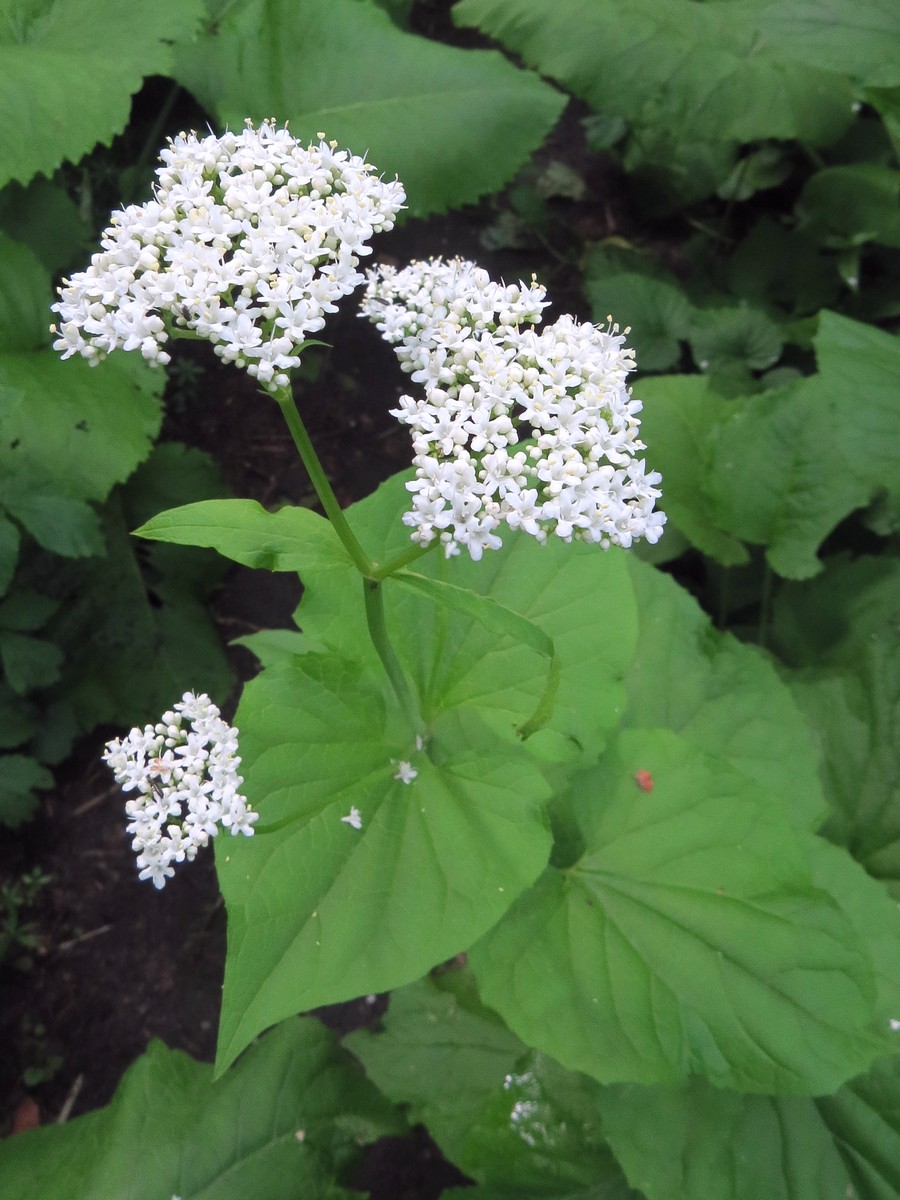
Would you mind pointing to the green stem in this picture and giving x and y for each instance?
(319, 480)
(372, 574)
(373, 595)
(393, 565)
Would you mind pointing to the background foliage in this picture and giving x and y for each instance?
(757, 674)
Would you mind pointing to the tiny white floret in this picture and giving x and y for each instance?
(353, 818)
(405, 772)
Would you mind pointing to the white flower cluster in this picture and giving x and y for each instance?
(249, 240)
(532, 428)
(185, 771)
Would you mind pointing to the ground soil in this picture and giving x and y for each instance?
(117, 962)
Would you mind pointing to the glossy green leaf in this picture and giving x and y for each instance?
(452, 124)
(319, 911)
(692, 937)
(99, 50)
(284, 1124)
(677, 422)
(711, 71)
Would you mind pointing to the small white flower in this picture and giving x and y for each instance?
(185, 772)
(405, 772)
(250, 240)
(895, 1025)
(494, 381)
(353, 818)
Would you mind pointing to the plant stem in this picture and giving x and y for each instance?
(319, 480)
(371, 573)
(373, 595)
(393, 565)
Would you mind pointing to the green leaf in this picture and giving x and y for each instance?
(495, 618)
(854, 37)
(773, 265)
(291, 539)
(135, 640)
(695, 1141)
(780, 476)
(24, 286)
(832, 619)
(791, 463)
(58, 523)
(319, 911)
(45, 218)
(856, 717)
(692, 937)
(677, 422)
(284, 1123)
(9, 552)
(512, 1119)
(847, 206)
(578, 596)
(17, 719)
(765, 167)
(19, 776)
(67, 435)
(99, 50)
(452, 124)
(26, 610)
(722, 338)
(711, 71)
(721, 695)
(28, 662)
(658, 312)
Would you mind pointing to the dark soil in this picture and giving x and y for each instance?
(117, 962)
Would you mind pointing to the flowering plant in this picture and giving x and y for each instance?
(525, 748)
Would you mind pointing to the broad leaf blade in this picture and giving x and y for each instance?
(721, 695)
(689, 939)
(708, 70)
(281, 1124)
(512, 1119)
(99, 50)
(452, 124)
(318, 910)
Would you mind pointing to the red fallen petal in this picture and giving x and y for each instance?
(644, 780)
